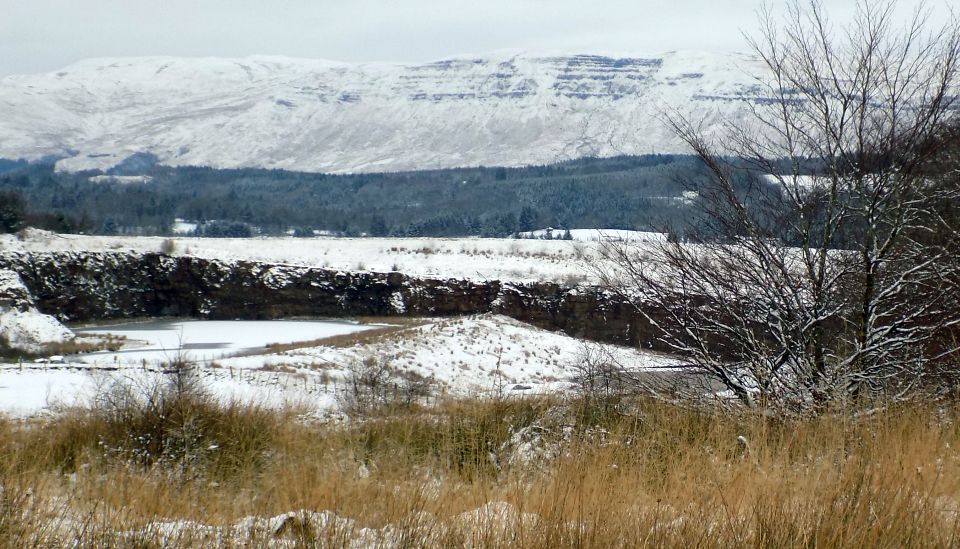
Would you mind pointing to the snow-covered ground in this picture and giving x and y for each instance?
(21, 325)
(474, 258)
(460, 356)
(31, 330)
(503, 108)
(477, 355)
(594, 235)
(158, 342)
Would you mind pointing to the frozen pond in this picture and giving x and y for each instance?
(161, 341)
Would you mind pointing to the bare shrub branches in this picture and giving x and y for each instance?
(822, 267)
(373, 384)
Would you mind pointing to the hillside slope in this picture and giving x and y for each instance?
(505, 109)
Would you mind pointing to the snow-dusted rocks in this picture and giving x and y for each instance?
(21, 325)
(13, 294)
(503, 109)
(487, 354)
(32, 331)
(80, 286)
(495, 518)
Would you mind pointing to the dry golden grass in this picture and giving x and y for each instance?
(86, 344)
(654, 475)
(75, 346)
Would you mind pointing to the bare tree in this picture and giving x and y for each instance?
(821, 267)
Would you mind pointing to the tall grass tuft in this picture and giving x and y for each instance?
(166, 422)
(135, 470)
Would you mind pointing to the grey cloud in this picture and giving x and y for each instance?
(40, 35)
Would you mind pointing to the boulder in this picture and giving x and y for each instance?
(22, 327)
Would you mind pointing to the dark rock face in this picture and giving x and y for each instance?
(13, 294)
(83, 286)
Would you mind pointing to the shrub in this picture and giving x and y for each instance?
(167, 421)
(225, 229)
(372, 385)
(168, 246)
(12, 212)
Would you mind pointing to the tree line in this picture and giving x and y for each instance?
(642, 193)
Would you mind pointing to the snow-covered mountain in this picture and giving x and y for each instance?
(504, 109)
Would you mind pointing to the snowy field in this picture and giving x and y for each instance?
(470, 356)
(462, 356)
(161, 341)
(473, 258)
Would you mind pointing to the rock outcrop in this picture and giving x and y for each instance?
(83, 286)
(501, 109)
(22, 326)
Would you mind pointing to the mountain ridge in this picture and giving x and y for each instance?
(500, 109)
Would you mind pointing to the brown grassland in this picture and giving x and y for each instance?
(168, 466)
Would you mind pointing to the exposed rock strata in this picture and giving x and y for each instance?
(84, 286)
(22, 327)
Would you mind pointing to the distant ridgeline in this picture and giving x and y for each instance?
(641, 193)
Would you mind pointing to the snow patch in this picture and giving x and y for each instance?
(21, 325)
(396, 301)
(182, 226)
(31, 331)
(122, 179)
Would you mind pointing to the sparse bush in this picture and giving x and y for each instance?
(87, 344)
(168, 246)
(601, 384)
(372, 385)
(6, 350)
(303, 232)
(167, 422)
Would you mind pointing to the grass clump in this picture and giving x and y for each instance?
(500, 472)
(168, 246)
(164, 422)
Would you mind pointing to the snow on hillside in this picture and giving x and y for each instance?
(471, 258)
(21, 325)
(478, 355)
(502, 109)
(463, 356)
(594, 235)
(122, 179)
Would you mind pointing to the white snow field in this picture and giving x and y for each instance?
(516, 260)
(163, 341)
(470, 356)
(456, 356)
(503, 108)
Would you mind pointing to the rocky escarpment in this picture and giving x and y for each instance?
(501, 109)
(84, 286)
(22, 327)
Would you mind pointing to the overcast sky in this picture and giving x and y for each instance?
(43, 35)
